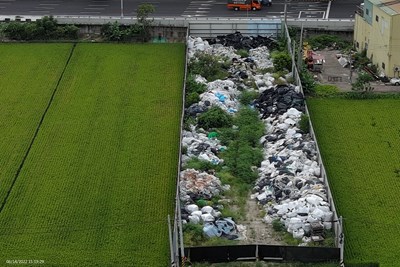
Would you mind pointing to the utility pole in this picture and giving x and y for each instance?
(293, 60)
(299, 62)
(122, 9)
(285, 14)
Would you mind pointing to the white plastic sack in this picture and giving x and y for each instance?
(207, 217)
(192, 207)
(207, 209)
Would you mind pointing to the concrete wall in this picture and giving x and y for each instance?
(380, 35)
(394, 46)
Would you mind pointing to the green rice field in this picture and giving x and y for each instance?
(360, 146)
(99, 180)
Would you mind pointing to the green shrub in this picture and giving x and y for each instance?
(304, 123)
(187, 121)
(242, 53)
(200, 165)
(327, 40)
(326, 90)
(247, 97)
(42, 29)
(282, 60)
(193, 234)
(250, 126)
(191, 99)
(214, 118)
(239, 157)
(278, 226)
(194, 87)
(208, 66)
(201, 203)
(307, 81)
(226, 135)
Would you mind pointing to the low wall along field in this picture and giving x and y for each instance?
(360, 146)
(99, 178)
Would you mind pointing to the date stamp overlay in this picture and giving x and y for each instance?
(21, 261)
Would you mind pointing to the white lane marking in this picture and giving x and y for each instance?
(99, 5)
(94, 8)
(328, 9)
(89, 12)
(44, 7)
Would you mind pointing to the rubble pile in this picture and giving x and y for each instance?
(221, 93)
(238, 41)
(289, 186)
(197, 44)
(195, 185)
(202, 146)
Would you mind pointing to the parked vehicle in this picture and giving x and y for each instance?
(244, 4)
(266, 2)
(395, 81)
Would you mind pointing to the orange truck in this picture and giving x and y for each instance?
(244, 4)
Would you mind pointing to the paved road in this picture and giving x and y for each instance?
(179, 8)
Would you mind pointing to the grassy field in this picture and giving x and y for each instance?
(28, 76)
(360, 143)
(99, 181)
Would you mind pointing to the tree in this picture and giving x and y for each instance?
(143, 12)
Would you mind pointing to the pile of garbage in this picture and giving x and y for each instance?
(238, 41)
(213, 224)
(290, 187)
(279, 99)
(202, 146)
(197, 44)
(221, 93)
(195, 185)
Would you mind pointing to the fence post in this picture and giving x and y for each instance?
(170, 241)
(341, 242)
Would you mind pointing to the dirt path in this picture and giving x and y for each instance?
(258, 232)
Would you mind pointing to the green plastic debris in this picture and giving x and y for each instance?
(212, 135)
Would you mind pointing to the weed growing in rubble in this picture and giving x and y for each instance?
(193, 234)
(208, 66)
(304, 123)
(245, 152)
(247, 97)
(242, 53)
(214, 118)
(282, 60)
(202, 165)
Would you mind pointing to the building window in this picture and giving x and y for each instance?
(367, 12)
(377, 18)
(383, 65)
(357, 44)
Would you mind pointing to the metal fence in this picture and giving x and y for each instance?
(215, 254)
(176, 234)
(337, 221)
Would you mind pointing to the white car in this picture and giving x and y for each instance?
(395, 81)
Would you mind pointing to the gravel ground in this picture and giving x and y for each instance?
(333, 73)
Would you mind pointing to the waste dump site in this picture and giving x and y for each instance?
(285, 182)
